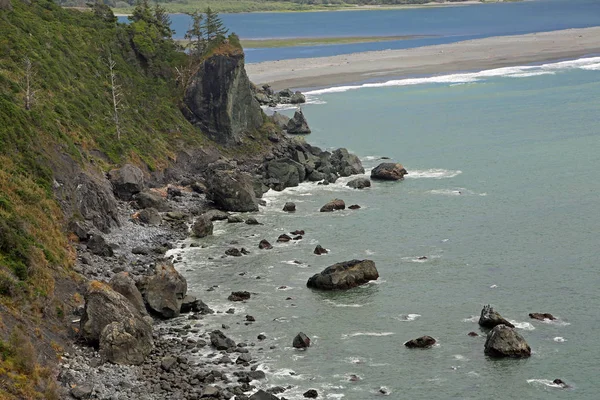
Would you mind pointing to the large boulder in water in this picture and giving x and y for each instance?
(344, 275)
(423, 342)
(388, 172)
(232, 190)
(219, 97)
(203, 226)
(126, 181)
(301, 341)
(103, 307)
(284, 173)
(164, 291)
(298, 124)
(490, 318)
(333, 205)
(346, 164)
(359, 183)
(504, 341)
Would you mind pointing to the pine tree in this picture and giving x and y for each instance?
(163, 21)
(196, 33)
(142, 12)
(213, 25)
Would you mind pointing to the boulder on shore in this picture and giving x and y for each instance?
(123, 283)
(388, 172)
(344, 275)
(301, 341)
(420, 343)
(504, 341)
(164, 291)
(126, 181)
(103, 307)
(203, 226)
(490, 318)
(220, 341)
(335, 204)
(232, 190)
(298, 124)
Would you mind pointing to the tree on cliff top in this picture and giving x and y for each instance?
(213, 25)
(196, 33)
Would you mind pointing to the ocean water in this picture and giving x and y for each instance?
(502, 198)
(440, 25)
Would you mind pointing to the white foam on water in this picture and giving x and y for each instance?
(334, 395)
(407, 317)
(460, 357)
(369, 252)
(590, 63)
(522, 325)
(333, 303)
(385, 391)
(376, 334)
(544, 382)
(560, 339)
(433, 173)
(493, 286)
(556, 322)
(473, 318)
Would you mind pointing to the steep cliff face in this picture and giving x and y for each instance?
(219, 98)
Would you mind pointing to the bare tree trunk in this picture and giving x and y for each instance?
(116, 94)
(29, 74)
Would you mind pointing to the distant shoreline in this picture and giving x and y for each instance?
(470, 55)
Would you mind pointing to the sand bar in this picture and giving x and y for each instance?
(471, 55)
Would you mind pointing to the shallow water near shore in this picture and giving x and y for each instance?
(502, 199)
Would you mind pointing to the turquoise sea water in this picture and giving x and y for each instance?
(502, 198)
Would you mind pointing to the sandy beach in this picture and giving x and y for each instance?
(471, 55)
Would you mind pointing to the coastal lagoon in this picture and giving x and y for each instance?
(501, 198)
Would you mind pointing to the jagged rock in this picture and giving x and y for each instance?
(264, 244)
(150, 216)
(320, 250)
(123, 283)
(283, 238)
(301, 341)
(346, 164)
(203, 226)
(148, 199)
(298, 124)
(542, 316)
(219, 99)
(164, 291)
(354, 207)
(311, 394)
(344, 275)
(98, 246)
(333, 205)
(285, 93)
(388, 172)
(103, 307)
(284, 173)
(232, 190)
(422, 342)
(220, 341)
(490, 318)
(191, 304)
(252, 221)
(297, 98)
(289, 207)
(233, 252)
(262, 395)
(239, 296)
(504, 341)
(126, 181)
(280, 120)
(235, 219)
(80, 230)
(359, 183)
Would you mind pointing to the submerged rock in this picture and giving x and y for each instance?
(344, 275)
(421, 343)
(301, 341)
(490, 318)
(504, 341)
(202, 226)
(239, 296)
(359, 183)
(283, 238)
(388, 172)
(333, 205)
(541, 317)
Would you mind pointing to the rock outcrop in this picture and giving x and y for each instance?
(203, 226)
(126, 181)
(420, 343)
(359, 183)
(504, 341)
(344, 275)
(334, 205)
(346, 164)
(219, 98)
(298, 124)
(232, 190)
(113, 324)
(490, 318)
(280, 120)
(542, 316)
(301, 341)
(164, 291)
(388, 172)
(123, 283)
(283, 173)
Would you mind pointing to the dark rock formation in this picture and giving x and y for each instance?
(473, 334)
(504, 341)
(284, 173)
(344, 275)
(283, 238)
(301, 341)
(203, 226)
(320, 250)
(232, 190)
(220, 101)
(192, 304)
(311, 394)
(97, 245)
(123, 283)
(388, 172)
(220, 341)
(541, 317)
(233, 252)
(239, 296)
(346, 164)
(164, 291)
(234, 219)
(252, 221)
(150, 199)
(333, 205)
(113, 324)
(126, 181)
(354, 207)
(490, 318)
(150, 216)
(216, 215)
(289, 207)
(298, 124)
(420, 343)
(264, 244)
(280, 120)
(262, 395)
(359, 183)
(560, 383)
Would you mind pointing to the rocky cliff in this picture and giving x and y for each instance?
(219, 97)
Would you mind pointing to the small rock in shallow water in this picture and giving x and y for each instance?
(542, 316)
(265, 245)
(423, 342)
(473, 334)
(289, 207)
(301, 341)
(311, 394)
(319, 250)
